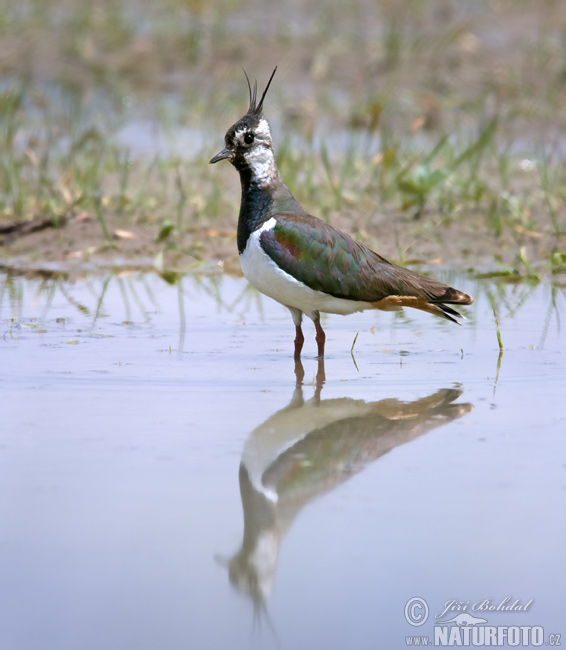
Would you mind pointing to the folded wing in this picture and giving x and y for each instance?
(328, 260)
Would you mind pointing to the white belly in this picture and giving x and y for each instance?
(262, 273)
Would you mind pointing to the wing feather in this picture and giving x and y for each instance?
(328, 260)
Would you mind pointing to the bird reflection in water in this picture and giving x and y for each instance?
(307, 449)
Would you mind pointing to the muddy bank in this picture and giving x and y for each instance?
(80, 245)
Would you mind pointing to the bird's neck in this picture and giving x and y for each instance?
(263, 194)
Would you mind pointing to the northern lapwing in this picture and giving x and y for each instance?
(303, 262)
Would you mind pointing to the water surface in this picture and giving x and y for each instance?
(166, 482)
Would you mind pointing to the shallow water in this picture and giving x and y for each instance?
(164, 482)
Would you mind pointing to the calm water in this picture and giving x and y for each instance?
(165, 483)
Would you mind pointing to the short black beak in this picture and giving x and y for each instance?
(225, 154)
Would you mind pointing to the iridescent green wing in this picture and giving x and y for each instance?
(328, 260)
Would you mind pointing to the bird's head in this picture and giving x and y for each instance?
(248, 141)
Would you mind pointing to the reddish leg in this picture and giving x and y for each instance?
(320, 339)
(299, 340)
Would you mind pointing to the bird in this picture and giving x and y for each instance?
(303, 262)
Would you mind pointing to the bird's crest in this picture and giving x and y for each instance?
(255, 108)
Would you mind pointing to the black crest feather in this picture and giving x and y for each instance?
(255, 108)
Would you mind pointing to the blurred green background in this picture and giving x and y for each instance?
(427, 128)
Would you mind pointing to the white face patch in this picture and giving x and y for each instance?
(263, 130)
(259, 156)
(262, 163)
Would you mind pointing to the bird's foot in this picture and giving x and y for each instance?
(320, 374)
(299, 341)
(320, 339)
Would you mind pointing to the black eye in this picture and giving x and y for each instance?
(249, 138)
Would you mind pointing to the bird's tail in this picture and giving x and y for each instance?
(452, 297)
(433, 304)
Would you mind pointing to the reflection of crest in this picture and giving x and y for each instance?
(307, 449)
